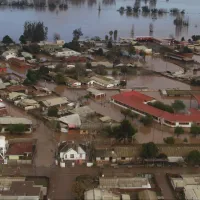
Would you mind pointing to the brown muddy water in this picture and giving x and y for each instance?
(103, 107)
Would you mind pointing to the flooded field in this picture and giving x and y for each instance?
(95, 23)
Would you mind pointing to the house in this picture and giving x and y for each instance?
(71, 121)
(9, 54)
(119, 154)
(6, 122)
(144, 49)
(147, 195)
(26, 188)
(27, 104)
(60, 42)
(49, 47)
(96, 93)
(54, 102)
(124, 183)
(103, 194)
(72, 152)
(19, 63)
(27, 55)
(189, 184)
(13, 96)
(83, 111)
(3, 110)
(3, 67)
(19, 151)
(102, 81)
(75, 59)
(17, 88)
(72, 82)
(67, 53)
(139, 103)
(105, 64)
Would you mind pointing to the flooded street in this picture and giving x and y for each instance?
(45, 140)
(95, 23)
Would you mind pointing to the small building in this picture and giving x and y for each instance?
(17, 88)
(3, 110)
(147, 195)
(105, 156)
(72, 152)
(29, 188)
(21, 152)
(105, 64)
(71, 121)
(96, 93)
(144, 49)
(27, 104)
(67, 53)
(55, 102)
(102, 81)
(16, 62)
(13, 96)
(9, 54)
(6, 122)
(72, 82)
(27, 55)
(60, 42)
(83, 111)
(101, 194)
(124, 183)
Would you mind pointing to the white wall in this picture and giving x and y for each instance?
(76, 156)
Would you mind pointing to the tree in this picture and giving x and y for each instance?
(125, 131)
(178, 105)
(126, 112)
(77, 33)
(78, 190)
(109, 45)
(99, 52)
(32, 48)
(182, 39)
(195, 130)
(194, 157)
(147, 120)
(115, 34)
(162, 156)
(169, 140)
(106, 38)
(32, 77)
(17, 128)
(52, 112)
(56, 37)
(22, 39)
(131, 50)
(110, 33)
(7, 40)
(178, 131)
(60, 78)
(114, 72)
(149, 150)
(35, 31)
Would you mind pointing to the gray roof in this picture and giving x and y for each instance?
(83, 111)
(64, 146)
(55, 101)
(14, 120)
(105, 153)
(73, 119)
(95, 91)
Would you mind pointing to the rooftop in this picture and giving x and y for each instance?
(20, 148)
(95, 91)
(16, 88)
(14, 120)
(55, 101)
(139, 101)
(83, 111)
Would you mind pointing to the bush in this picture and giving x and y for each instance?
(162, 106)
(147, 120)
(169, 140)
(53, 112)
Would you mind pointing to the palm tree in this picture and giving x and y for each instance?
(111, 33)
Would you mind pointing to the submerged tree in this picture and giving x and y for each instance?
(7, 40)
(35, 31)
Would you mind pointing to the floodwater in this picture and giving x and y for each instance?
(145, 134)
(84, 14)
(45, 137)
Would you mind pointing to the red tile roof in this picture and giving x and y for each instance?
(20, 148)
(16, 88)
(137, 101)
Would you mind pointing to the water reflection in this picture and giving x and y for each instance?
(108, 2)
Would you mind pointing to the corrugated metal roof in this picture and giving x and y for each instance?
(14, 120)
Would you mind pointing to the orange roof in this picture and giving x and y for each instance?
(137, 101)
(20, 148)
